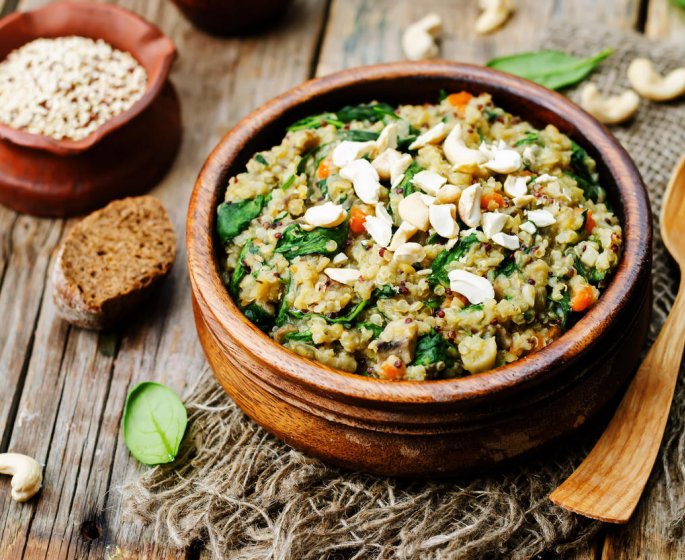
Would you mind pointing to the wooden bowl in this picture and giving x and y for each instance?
(233, 17)
(431, 427)
(127, 154)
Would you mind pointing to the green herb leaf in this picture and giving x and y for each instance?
(154, 423)
(347, 318)
(384, 292)
(562, 308)
(442, 95)
(583, 176)
(282, 314)
(473, 307)
(239, 271)
(552, 69)
(407, 183)
(430, 349)
(371, 112)
(296, 242)
(679, 3)
(433, 303)
(235, 217)
(259, 316)
(444, 258)
(375, 329)
(315, 121)
(530, 138)
(358, 135)
(298, 336)
(288, 183)
(507, 267)
(261, 159)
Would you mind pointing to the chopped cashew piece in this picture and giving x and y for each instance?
(495, 13)
(387, 138)
(418, 40)
(431, 136)
(516, 186)
(427, 199)
(398, 168)
(475, 288)
(403, 234)
(409, 253)
(26, 474)
(652, 85)
(529, 227)
(382, 213)
(347, 276)
(478, 354)
(503, 160)
(379, 230)
(326, 215)
(528, 293)
(493, 222)
(541, 218)
(364, 179)
(442, 218)
(448, 194)
(415, 211)
(340, 258)
(510, 242)
(609, 110)
(525, 200)
(461, 157)
(469, 205)
(544, 178)
(429, 181)
(346, 152)
(384, 162)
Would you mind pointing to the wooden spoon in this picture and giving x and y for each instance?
(609, 482)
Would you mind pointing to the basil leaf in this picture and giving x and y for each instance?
(430, 349)
(358, 135)
(305, 336)
(154, 423)
(407, 183)
(297, 242)
(445, 257)
(552, 69)
(235, 217)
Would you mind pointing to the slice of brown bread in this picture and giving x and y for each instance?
(110, 260)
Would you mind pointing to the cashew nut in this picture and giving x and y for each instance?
(418, 40)
(651, 85)
(610, 110)
(493, 16)
(347, 276)
(462, 158)
(26, 475)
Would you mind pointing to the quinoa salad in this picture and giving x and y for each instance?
(417, 242)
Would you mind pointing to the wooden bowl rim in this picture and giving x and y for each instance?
(137, 36)
(220, 313)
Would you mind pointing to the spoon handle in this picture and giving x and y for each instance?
(609, 482)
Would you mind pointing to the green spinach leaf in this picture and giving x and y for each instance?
(316, 121)
(261, 159)
(358, 135)
(384, 292)
(507, 267)
(154, 423)
(530, 138)
(430, 349)
(371, 112)
(552, 69)
(239, 271)
(447, 256)
(235, 217)
(582, 174)
(296, 242)
(562, 308)
(375, 329)
(407, 183)
(346, 318)
(259, 316)
(305, 336)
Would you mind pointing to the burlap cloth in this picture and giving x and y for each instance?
(249, 496)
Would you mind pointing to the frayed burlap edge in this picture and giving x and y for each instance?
(246, 495)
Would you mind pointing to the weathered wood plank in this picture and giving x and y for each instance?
(369, 31)
(70, 411)
(664, 20)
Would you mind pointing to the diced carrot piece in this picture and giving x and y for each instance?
(539, 342)
(459, 100)
(589, 222)
(582, 298)
(324, 169)
(462, 299)
(392, 372)
(491, 201)
(357, 219)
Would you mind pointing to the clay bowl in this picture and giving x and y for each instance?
(126, 155)
(233, 17)
(434, 427)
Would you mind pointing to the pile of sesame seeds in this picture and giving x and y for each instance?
(67, 87)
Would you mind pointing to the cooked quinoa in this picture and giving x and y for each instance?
(418, 242)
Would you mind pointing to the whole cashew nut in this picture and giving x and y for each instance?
(652, 85)
(418, 40)
(25, 472)
(610, 110)
(493, 16)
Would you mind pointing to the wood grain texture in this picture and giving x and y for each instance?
(70, 410)
(665, 20)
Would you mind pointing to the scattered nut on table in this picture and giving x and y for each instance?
(419, 39)
(495, 13)
(26, 474)
(652, 85)
(610, 110)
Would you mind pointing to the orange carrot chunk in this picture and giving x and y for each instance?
(582, 298)
(589, 222)
(459, 100)
(491, 201)
(392, 371)
(324, 169)
(357, 219)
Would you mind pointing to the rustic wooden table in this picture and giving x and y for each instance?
(63, 389)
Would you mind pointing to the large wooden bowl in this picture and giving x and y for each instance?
(430, 427)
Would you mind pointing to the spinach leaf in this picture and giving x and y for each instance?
(358, 135)
(316, 121)
(323, 187)
(492, 114)
(259, 316)
(347, 318)
(679, 3)
(442, 94)
(304, 158)
(288, 183)
(239, 271)
(447, 256)
(375, 329)
(430, 349)
(407, 183)
(593, 276)
(562, 308)
(552, 69)
(305, 336)
(235, 217)
(261, 159)
(384, 292)
(433, 303)
(282, 314)
(404, 142)
(154, 423)
(507, 267)
(473, 307)
(582, 174)
(371, 112)
(530, 138)
(296, 242)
